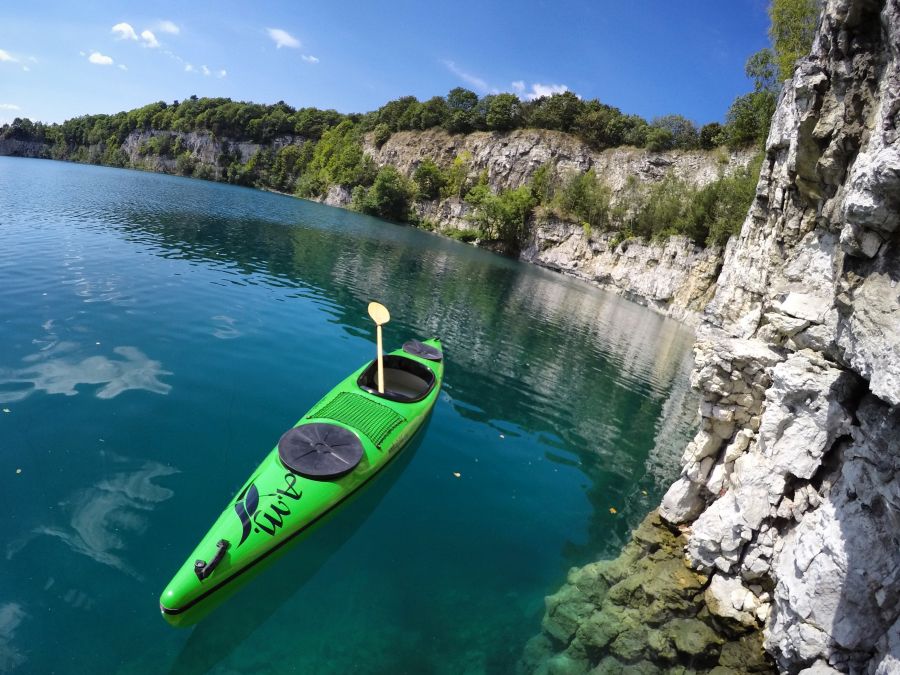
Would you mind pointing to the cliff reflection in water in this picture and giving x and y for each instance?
(528, 349)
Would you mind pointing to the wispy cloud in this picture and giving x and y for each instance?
(122, 66)
(149, 39)
(518, 86)
(100, 59)
(206, 71)
(283, 39)
(9, 106)
(124, 31)
(188, 68)
(6, 56)
(473, 81)
(221, 73)
(170, 27)
(309, 58)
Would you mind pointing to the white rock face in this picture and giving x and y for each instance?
(793, 481)
(675, 277)
(511, 159)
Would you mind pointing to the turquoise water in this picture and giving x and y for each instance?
(159, 334)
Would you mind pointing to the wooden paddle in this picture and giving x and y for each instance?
(380, 315)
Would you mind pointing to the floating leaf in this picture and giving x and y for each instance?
(612, 510)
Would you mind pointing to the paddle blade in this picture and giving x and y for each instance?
(379, 313)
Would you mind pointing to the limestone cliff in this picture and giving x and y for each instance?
(674, 277)
(789, 497)
(793, 480)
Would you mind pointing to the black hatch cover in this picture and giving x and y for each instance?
(319, 450)
(422, 350)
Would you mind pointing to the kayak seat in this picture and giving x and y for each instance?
(405, 380)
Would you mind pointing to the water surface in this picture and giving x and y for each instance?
(160, 333)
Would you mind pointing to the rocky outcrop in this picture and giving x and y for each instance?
(646, 612)
(203, 147)
(792, 482)
(789, 496)
(511, 158)
(14, 147)
(674, 277)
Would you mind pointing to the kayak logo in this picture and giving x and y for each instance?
(270, 518)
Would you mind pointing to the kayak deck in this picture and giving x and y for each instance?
(281, 500)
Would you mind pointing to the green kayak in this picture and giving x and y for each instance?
(338, 447)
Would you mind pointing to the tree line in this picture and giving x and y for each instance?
(306, 151)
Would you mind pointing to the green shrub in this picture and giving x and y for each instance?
(458, 176)
(466, 234)
(185, 164)
(381, 134)
(503, 217)
(587, 199)
(429, 180)
(388, 197)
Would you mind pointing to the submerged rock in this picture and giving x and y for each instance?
(643, 612)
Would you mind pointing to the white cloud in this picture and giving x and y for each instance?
(100, 59)
(222, 73)
(124, 31)
(149, 39)
(169, 27)
(538, 90)
(473, 81)
(188, 68)
(122, 66)
(309, 58)
(518, 86)
(6, 56)
(9, 106)
(283, 39)
(26, 69)
(205, 70)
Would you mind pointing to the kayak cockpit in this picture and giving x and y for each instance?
(405, 380)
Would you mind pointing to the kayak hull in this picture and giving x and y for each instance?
(276, 506)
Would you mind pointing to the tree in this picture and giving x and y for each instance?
(710, 135)
(381, 134)
(762, 69)
(748, 118)
(659, 139)
(504, 112)
(434, 113)
(792, 31)
(683, 131)
(558, 111)
(388, 197)
(429, 180)
(504, 217)
(463, 99)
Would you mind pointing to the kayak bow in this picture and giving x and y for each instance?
(341, 444)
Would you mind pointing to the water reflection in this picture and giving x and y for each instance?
(101, 517)
(11, 656)
(527, 348)
(56, 370)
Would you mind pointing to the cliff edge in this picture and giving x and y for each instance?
(789, 498)
(792, 482)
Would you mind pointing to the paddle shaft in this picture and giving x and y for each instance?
(380, 361)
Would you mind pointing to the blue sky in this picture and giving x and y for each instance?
(650, 57)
